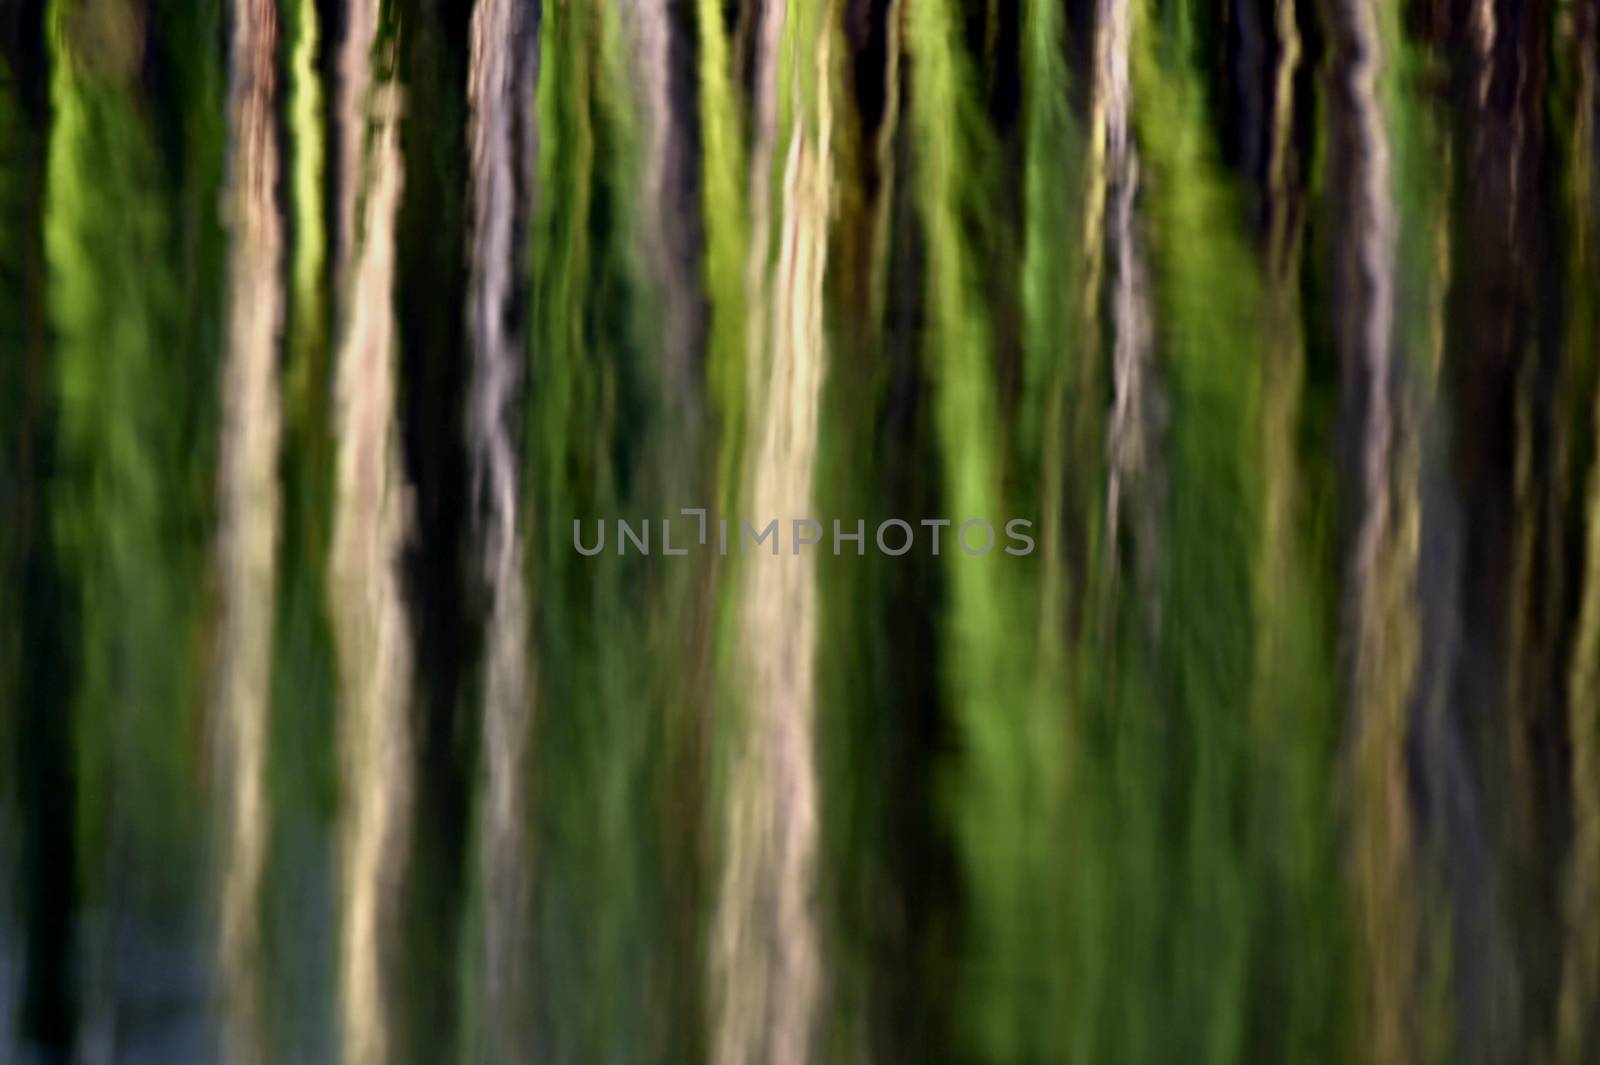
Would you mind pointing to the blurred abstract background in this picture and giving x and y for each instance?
(321, 321)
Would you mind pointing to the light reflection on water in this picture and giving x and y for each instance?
(321, 324)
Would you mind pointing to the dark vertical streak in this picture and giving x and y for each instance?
(38, 656)
(434, 373)
(1503, 707)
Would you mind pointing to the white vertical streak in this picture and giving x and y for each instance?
(1130, 296)
(369, 620)
(766, 956)
(492, 94)
(249, 509)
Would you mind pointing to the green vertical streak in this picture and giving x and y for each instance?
(1579, 1004)
(1297, 1011)
(1208, 299)
(594, 410)
(1052, 188)
(1417, 140)
(306, 176)
(727, 226)
(303, 744)
(37, 809)
(854, 710)
(303, 740)
(563, 404)
(134, 320)
(1057, 360)
(1007, 783)
(726, 216)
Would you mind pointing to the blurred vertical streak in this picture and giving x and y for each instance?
(1129, 450)
(307, 133)
(767, 964)
(1063, 247)
(1381, 574)
(444, 598)
(673, 247)
(1578, 1010)
(758, 257)
(607, 631)
(878, 716)
(1284, 370)
(1374, 253)
(667, 214)
(1436, 617)
(742, 967)
(36, 653)
(503, 48)
(569, 441)
(725, 192)
(1526, 777)
(300, 947)
(1184, 726)
(883, 151)
(250, 511)
(360, 36)
(1293, 711)
(134, 249)
(1073, 412)
(1494, 564)
(1006, 774)
(365, 599)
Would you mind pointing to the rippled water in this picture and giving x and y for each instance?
(332, 331)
